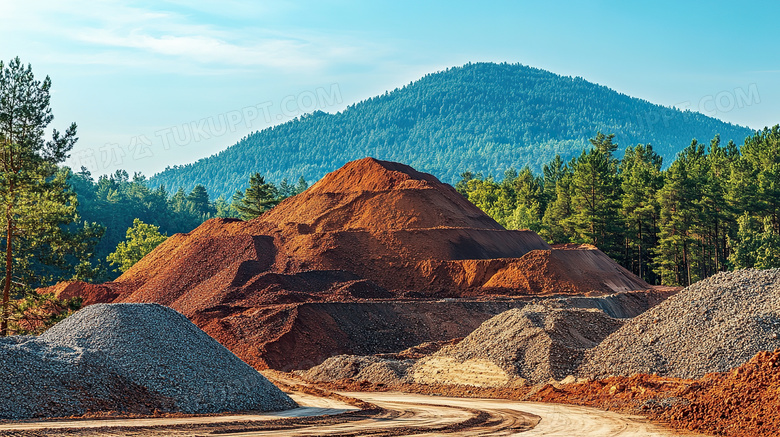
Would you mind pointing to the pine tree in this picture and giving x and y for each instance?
(552, 172)
(744, 246)
(286, 189)
(761, 156)
(301, 186)
(259, 198)
(529, 202)
(640, 173)
(718, 216)
(557, 226)
(34, 195)
(178, 201)
(677, 259)
(595, 193)
(224, 209)
(199, 201)
(768, 253)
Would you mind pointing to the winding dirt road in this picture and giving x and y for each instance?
(551, 419)
(399, 414)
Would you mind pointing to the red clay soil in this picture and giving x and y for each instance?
(744, 402)
(569, 269)
(370, 230)
(379, 221)
(369, 194)
(89, 293)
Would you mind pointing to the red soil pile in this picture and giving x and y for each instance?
(89, 293)
(376, 220)
(569, 269)
(743, 402)
(637, 394)
(183, 261)
(374, 195)
(370, 230)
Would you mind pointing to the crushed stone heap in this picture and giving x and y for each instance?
(713, 325)
(530, 345)
(132, 358)
(376, 370)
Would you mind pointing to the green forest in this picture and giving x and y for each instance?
(484, 117)
(715, 207)
(113, 202)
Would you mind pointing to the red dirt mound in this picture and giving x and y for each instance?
(372, 218)
(744, 402)
(379, 196)
(90, 293)
(567, 269)
(370, 230)
(185, 260)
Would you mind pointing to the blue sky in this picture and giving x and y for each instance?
(161, 83)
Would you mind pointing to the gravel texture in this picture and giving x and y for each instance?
(359, 368)
(712, 326)
(137, 358)
(536, 343)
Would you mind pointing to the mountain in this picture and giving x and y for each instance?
(482, 117)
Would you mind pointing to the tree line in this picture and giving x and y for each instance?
(716, 207)
(131, 214)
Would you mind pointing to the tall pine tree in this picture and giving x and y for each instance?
(259, 198)
(36, 201)
(595, 193)
(640, 173)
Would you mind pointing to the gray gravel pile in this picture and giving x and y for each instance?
(359, 368)
(131, 358)
(536, 343)
(712, 326)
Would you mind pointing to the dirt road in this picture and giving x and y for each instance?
(553, 419)
(400, 414)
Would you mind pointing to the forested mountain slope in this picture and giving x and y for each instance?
(481, 117)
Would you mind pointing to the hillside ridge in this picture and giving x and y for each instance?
(482, 117)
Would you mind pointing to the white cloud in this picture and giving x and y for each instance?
(207, 49)
(111, 33)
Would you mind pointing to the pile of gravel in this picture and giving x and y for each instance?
(359, 368)
(712, 326)
(536, 343)
(137, 358)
